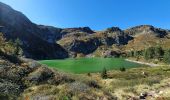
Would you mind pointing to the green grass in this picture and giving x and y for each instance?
(86, 65)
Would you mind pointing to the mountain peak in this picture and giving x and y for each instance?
(146, 29)
(113, 29)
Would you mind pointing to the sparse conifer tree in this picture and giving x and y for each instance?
(104, 73)
(18, 50)
(166, 57)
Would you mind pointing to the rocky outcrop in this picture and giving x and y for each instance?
(114, 35)
(85, 47)
(110, 53)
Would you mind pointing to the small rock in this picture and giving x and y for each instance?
(143, 96)
(161, 92)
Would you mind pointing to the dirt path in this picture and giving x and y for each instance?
(145, 63)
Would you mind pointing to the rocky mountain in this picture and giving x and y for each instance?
(48, 42)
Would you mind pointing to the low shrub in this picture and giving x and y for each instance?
(93, 84)
(122, 69)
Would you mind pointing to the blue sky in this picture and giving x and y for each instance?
(97, 14)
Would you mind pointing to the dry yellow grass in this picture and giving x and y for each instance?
(132, 83)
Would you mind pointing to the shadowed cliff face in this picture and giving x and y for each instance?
(34, 43)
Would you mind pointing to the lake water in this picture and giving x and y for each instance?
(86, 65)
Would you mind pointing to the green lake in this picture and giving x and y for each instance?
(87, 65)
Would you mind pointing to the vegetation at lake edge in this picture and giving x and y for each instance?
(152, 53)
